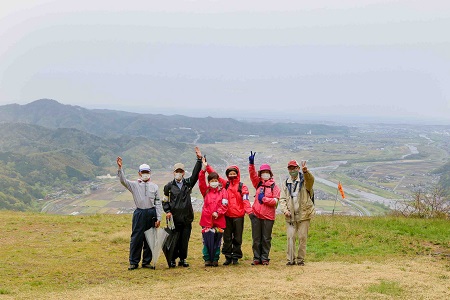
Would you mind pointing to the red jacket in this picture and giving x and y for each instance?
(266, 210)
(237, 205)
(214, 200)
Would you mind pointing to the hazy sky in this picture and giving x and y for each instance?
(382, 59)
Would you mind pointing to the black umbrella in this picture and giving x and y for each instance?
(171, 241)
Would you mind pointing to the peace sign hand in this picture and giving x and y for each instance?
(304, 167)
(119, 162)
(251, 158)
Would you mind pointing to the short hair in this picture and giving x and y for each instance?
(213, 175)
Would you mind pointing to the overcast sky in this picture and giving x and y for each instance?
(316, 59)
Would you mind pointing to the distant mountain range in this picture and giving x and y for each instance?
(109, 123)
(46, 145)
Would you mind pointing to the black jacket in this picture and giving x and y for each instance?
(178, 202)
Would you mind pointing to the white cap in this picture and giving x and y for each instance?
(144, 167)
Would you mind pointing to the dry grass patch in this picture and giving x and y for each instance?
(85, 257)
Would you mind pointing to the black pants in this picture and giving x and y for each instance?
(181, 249)
(143, 219)
(262, 237)
(232, 238)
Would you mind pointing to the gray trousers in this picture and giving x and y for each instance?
(297, 230)
(262, 237)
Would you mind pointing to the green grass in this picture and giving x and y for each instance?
(389, 288)
(43, 253)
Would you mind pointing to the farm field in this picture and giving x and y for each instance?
(378, 168)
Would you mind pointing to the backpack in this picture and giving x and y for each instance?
(239, 188)
(309, 193)
(261, 183)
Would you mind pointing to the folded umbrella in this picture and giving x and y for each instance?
(171, 240)
(155, 239)
(208, 241)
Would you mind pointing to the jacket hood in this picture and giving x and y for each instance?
(232, 168)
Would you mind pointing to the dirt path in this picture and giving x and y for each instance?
(421, 278)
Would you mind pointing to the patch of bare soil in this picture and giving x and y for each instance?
(419, 278)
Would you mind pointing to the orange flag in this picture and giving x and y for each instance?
(341, 190)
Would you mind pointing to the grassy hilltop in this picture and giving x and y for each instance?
(85, 257)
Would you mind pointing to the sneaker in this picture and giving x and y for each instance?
(208, 263)
(301, 263)
(256, 262)
(290, 263)
(265, 262)
(183, 263)
(172, 264)
(148, 267)
(215, 263)
(132, 267)
(227, 262)
(235, 262)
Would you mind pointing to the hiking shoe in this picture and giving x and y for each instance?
(227, 262)
(290, 263)
(183, 263)
(265, 262)
(301, 263)
(148, 267)
(256, 262)
(215, 263)
(235, 262)
(208, 263)
(172, 264)
(132, 267)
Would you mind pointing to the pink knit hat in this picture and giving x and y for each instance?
(265, 167)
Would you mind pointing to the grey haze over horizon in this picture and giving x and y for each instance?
(377, 61)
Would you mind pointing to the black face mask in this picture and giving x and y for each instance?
(232, 178)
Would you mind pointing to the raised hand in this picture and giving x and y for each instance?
(304, 168)
(198, 153)
(205, 164)
(251, 158)
(119, 162)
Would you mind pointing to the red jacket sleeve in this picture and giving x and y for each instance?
(253, 175)
(272, 201)
(247, 205)
(202, 183)
(222, 207)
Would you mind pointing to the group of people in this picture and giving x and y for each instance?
(226, 202)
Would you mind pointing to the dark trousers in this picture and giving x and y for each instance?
(262, 237)
(181, 249)
(143, 219)
(232, 238)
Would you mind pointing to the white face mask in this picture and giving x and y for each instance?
(145, 176)
(178, 176)
(214, 184)
(265, 176)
